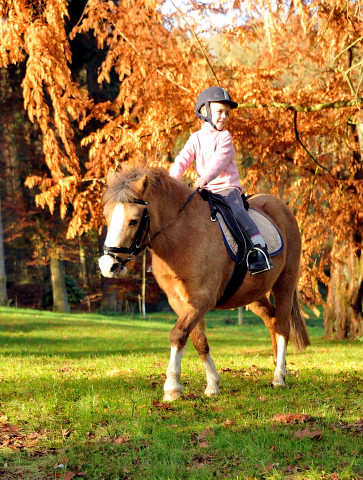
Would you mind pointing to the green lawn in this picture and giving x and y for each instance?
(81, 397)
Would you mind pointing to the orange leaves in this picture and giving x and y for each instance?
(306, 433)
(63, 188)
(12, 437)
(135, 102)
(162, 405)
(291, 419)
(12, 29)
(88, 212)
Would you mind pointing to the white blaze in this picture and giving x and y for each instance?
(106, 262)
(115, 228)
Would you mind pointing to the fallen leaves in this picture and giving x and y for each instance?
(307, 433)
(162, 405)
(202, 460)
(11, 437)
(120, 440)
(292, 419)
(252, 372)
(205, 434)
(356, 427)
(68, 475)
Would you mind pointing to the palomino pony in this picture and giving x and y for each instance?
(146, 207)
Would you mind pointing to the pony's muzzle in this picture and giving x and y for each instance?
(110, 267)
(114, 267)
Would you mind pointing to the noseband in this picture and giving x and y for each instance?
(143, 232)
(138, 243)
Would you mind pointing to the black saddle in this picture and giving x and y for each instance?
(217, 206)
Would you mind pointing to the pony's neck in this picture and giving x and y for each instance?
(168, 219)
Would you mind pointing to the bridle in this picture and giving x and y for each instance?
(142, 237)
(138, 243)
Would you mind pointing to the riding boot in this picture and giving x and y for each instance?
(258, 260)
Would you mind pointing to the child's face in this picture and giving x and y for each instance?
(220, 114)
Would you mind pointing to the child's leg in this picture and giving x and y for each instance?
(234, 200)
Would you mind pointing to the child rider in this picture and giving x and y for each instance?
(212, 150)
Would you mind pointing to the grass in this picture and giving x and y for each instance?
(81, 397)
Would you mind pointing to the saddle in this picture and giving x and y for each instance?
(235, 239)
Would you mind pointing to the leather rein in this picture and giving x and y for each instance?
(142, 237)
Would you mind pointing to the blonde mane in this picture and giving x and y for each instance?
(123, 190)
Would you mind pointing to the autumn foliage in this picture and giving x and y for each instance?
(295, 68)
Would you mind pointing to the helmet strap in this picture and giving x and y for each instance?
(208, 118)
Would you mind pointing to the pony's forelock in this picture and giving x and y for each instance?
(123, 189)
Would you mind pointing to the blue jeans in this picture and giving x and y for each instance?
(234, 200)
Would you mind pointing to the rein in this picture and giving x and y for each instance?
(143, 232)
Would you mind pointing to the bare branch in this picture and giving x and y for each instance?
(307, 108)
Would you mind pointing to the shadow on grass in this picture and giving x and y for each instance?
(90, 336)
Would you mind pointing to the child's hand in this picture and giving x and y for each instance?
(200, 183)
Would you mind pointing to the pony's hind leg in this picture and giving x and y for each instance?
(200, 343)
(264, 309)
(280, 370)
(283, 292)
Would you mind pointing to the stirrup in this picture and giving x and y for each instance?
(261, 264)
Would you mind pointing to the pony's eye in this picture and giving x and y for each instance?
(132, 222)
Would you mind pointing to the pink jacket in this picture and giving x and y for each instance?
(213, 153)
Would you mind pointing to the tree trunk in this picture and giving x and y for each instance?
(83, 277)
(240, 316)
(3, 292)
(143, 285)
(60, 299)
(343, 317)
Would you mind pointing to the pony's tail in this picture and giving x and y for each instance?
(298, 330)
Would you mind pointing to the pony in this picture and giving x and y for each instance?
(146, 207)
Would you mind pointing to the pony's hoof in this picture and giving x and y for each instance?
(278, 383)
(210, 392)
(171, 396)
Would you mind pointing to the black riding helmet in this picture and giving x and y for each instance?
(212, 94)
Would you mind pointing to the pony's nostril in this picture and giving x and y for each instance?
(114, 267)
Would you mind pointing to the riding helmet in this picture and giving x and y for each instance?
(212, 94)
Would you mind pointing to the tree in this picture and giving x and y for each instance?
(297, 75)
(343, 310)
(31, 235)
(3, 292)
(60, 299)
(297, 81)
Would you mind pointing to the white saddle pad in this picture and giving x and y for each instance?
(269, 232)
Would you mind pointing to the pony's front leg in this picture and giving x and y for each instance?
(172, 387)
(280, 370)
(189, 316)
(200, 343)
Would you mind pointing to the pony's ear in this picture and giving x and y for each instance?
(142, 186)
(111, 178)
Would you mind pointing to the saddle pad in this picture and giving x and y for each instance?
(269, 232)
